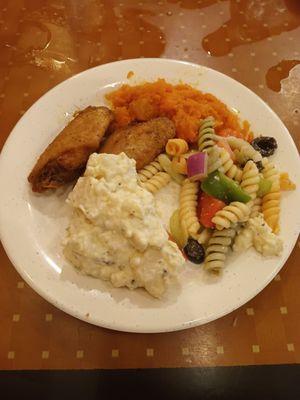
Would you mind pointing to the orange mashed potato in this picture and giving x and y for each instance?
(184, 105)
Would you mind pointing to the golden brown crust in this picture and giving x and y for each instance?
(143, 141)
(64, 158)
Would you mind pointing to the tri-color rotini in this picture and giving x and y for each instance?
(157, 182)
(250, 179)
(229, 215)
(218, 246)
(271, 201)
(204, 236)
(149, 170)
(228, 167)
(207, 137)
(250, 182)
(176, 147)
(188, 206)
(214, 160)
(219, 159)
(179, 165)
(243, 150)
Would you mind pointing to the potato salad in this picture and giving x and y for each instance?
(115, 233)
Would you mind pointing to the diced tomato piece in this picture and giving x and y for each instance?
(207, 208)
(230, 132)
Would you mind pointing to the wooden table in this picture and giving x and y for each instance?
(45, 42)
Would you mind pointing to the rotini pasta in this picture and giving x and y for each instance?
(214, 159)
(149, 170)
(188, 206)
(219, 159)
(166, 164)
(179, 165)
(204, 236)
(217, 249)
(243, 150)
(285, 182)
(176, 147)
(271, 201)
(250, 183)
(231, 214)
(227, 166)
(207, 137)
(157, 182)
(250, 179)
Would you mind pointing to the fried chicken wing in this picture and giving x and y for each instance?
(143, 141)
(65, 158)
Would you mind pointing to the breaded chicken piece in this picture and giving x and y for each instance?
(143, 141)
(65, 158)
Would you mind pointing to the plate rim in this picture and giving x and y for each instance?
(137, 329)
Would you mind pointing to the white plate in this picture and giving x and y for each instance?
(31, 226)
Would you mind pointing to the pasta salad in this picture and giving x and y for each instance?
(230, 193)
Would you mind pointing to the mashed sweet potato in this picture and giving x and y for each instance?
(184, 105)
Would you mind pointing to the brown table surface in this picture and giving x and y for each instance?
(44, 42)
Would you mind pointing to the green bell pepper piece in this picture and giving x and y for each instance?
(223, 188)
(264, 186)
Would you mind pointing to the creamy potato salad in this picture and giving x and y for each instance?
(115, 233)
